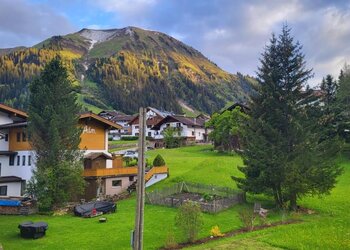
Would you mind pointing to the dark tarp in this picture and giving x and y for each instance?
(33, 230)
(85, 210)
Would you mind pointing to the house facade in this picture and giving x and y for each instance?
(121, 119)
(153, 116)
(192, 129)
(103, 171)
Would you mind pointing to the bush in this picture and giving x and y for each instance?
(247, 217)
(158, 161)
(129, 138)
(215, 232)
(170, 241)
(189, 220)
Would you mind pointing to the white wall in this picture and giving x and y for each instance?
(4, 118)
(23, 171)
(13, 188)
(156, 178)
(4, 145)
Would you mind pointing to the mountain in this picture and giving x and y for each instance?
(124, 69)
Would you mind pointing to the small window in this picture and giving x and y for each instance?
(7, 137)
(23, 160)
(149, 134)
(29, 160)
(18, 137)
(192, 132)
(3, 190)
(117, 183)
(199, 133)
(178, 124)
(18, 160)
(24, 136)
(131, 178)
(12, 160)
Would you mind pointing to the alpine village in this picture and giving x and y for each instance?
(130, 139)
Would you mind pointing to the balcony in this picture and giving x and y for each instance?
(110, 172)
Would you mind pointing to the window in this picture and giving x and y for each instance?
(18, 160)
(117, 183)
(24, 137)
(136, 127)
(131, 178)
(7, 137)
(18, 137)
(12, 160)
(149, 134)
(3, 190)
(29, 160)
(23, 160)
(192, 132)
(178, 125)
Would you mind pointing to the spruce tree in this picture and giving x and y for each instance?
(55, 136)
(343, 104)
(282, 151)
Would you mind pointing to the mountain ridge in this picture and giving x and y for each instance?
(126, 68)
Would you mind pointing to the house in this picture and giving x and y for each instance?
(16, 157)
(153, 116)
(103, 171)
(121, 119)
(191, 129)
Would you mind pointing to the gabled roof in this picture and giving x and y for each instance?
(244, 108)
(93, 156)
(162, 114)
(110, 112)
(100, 119)
(15, 112)
(189, 121)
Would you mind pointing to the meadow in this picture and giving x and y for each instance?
(328, 228)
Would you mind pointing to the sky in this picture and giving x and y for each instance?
(231, 33)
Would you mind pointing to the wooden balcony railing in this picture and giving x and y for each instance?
(110, 171)
(156, 170)
(124, 171)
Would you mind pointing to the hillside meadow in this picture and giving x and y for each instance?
(328, 228)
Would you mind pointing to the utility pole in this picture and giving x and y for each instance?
(140, 190)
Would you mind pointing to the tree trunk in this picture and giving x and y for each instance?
(293, 202)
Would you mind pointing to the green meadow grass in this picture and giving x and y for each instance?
(328, 229)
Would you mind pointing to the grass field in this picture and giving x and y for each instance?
(328, 229)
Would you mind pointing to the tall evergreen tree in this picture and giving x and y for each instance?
(282, 152)
(343, 103)
(55, 136)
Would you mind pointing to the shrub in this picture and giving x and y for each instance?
(158, 161)
(189, 220)
(247, 217)
(215, 232)
(170, 241)
(129, 138)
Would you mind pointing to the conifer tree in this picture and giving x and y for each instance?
(55, 136)
(282, 151)
(343, 103)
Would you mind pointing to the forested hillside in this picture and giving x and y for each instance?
(124, 69)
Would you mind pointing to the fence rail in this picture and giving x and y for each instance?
(224, 197)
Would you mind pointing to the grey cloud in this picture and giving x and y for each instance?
(22, 23)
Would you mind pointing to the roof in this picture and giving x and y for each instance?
(8, 153)
(151, 122)
(189, 121)
(100, 119)
(93, 156)
(14, 125)
(110, 112)
(12, 111)
(244, 108)
(5, 179)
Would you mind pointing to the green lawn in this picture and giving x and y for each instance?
(121, 142)
(327, 229)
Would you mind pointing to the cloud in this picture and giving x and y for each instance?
(22, 23)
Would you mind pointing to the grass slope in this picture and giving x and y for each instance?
(328, 229)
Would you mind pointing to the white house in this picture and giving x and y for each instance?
(189, 128)
(153, 116)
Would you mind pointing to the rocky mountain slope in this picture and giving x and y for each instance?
(124, 69)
